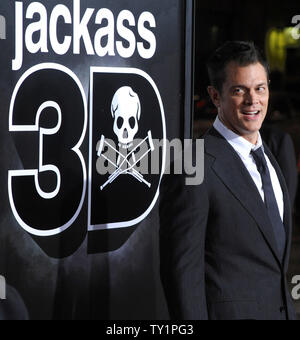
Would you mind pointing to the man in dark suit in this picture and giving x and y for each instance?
(225, 244)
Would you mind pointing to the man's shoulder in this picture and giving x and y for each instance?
(214, 143)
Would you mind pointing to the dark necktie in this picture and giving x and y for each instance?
(270, 200)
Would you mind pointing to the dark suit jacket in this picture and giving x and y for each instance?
(219, 258)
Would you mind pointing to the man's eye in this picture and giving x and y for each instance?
(261, 89)
(238, 91)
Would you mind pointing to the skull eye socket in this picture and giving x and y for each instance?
(132, 122)
(120, 122)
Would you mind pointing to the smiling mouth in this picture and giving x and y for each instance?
(251, 113)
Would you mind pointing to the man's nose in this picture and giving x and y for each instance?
(251, 98)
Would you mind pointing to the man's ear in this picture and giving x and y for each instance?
(214, 95)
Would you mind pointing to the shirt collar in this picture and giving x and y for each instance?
(240, 144)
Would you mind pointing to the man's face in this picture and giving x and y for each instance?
(243, 103)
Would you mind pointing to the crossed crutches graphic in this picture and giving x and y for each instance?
(126, 160)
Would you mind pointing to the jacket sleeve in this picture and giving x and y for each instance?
(183, 218)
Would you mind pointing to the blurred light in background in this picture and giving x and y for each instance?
(277, 42)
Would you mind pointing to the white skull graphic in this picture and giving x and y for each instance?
(126, 111)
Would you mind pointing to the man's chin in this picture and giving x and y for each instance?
(252, 126)
(250, 132)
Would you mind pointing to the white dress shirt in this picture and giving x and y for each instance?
(243, 149)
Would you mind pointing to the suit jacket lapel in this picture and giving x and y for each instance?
(230, 169)
(286, 199)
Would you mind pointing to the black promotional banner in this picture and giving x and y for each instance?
(88, 86)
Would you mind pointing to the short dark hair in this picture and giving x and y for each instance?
(244, 53)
